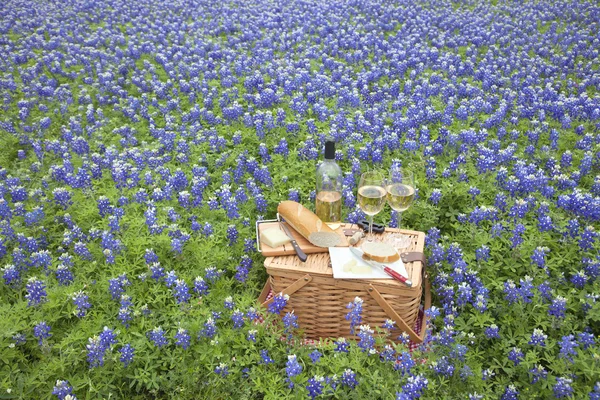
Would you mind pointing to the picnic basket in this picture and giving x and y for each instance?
(320, 301)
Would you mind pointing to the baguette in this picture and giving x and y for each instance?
(307, 224)
(380, 252)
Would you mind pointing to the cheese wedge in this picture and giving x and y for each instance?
(274, 237)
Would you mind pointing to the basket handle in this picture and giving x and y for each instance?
(293, 288)
(397, 318)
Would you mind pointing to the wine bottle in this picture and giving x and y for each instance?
(329, 188)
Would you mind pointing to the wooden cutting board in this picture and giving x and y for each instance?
(287, 249)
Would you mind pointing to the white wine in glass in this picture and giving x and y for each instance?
(371, 196)
(400, 196)
(400, 190)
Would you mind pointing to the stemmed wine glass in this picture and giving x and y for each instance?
(400, 188)
(371, 196)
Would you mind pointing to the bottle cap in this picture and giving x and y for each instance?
(330, 150)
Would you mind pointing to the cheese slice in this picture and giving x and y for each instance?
(361, 269)
(349, 265)
(274, 237)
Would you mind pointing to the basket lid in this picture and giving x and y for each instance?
(319, 264)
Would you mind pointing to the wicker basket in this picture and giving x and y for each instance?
(320, 301)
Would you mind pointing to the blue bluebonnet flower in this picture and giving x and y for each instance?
(62, 389)
(127, 354)
(482, 253)
(510, 393)
(265, 358)
(290, 321)
(212, 274)
(525, 289)
(487, 374)
(538, 372)
(11, 275)
(222, 370)
(252, 335)
(443, 366)
(181, 291)
(511, 292)
(125, 316)
(562, 388)
(81, 301)
(157, 336)
(42, 331)
(545, 290)
(387, 354)
(558, 307)
(315, 386)
(171, 279)
(116, 286)
(292, 368)
(182, 338)
(579, 279)
(367, 342)
(232, 234)
(567, 347)
(539, 256)
(315, 356)
(436, 196)
(157, 271)
(413, 388)
(278, 304)
(586, 339)
(209, 330)
(95, 355)
(238, 319)
(404, 363)
(354, 315)
(389, 324)
(36, 292)
(587, 238)
(251, 314)
(229, 303)
(517, 239)
(515, 355)
(62, 197)
(538, 338)
(465, 372)
(107, 337)
(492, 332)
(200, 286)
(64, 275)
(348, 379)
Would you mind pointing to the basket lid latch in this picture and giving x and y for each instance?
(412, 256)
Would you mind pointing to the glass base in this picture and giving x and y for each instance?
(399, 240)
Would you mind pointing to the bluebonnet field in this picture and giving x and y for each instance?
(141, 141)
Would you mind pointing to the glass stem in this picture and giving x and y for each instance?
(399, 213)
(370, 238)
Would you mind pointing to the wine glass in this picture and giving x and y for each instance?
(371, 196)
(400, 188)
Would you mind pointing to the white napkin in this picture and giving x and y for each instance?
(342, 255)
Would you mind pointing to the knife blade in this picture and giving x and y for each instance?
(364, 258)
(301, 254)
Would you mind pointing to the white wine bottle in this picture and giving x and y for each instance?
(329, 188)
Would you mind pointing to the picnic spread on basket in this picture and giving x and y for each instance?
(322, 264)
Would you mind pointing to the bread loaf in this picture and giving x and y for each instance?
(307, 224)
(380, 252)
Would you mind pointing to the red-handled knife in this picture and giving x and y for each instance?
(363, 257)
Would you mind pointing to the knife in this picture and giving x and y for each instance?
(301, 255)
(364, 258)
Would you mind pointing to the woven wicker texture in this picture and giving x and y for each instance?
(320, 303)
